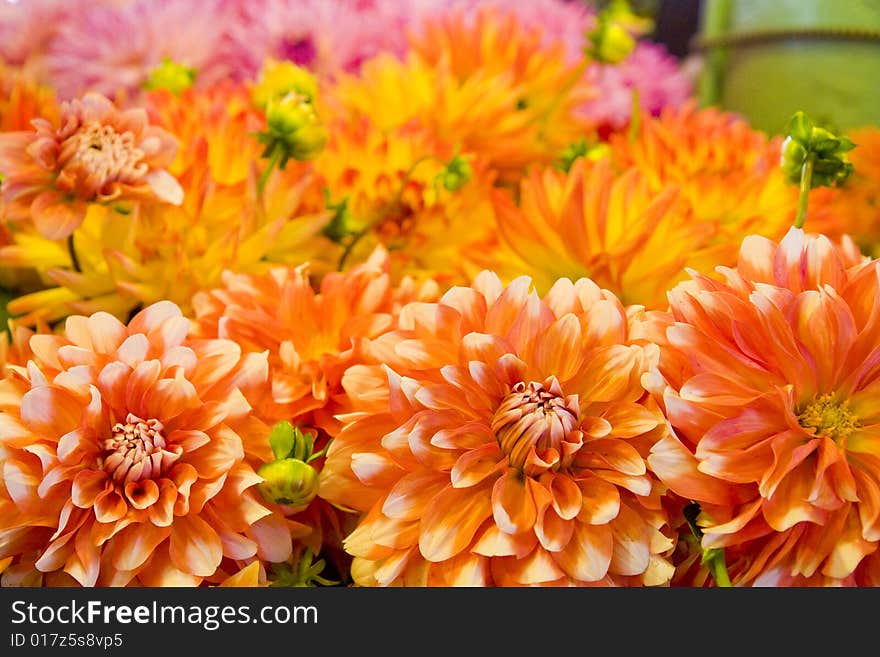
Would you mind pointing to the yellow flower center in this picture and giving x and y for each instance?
(136, 450)
(533, 424)
(99, 152)
(829, 418)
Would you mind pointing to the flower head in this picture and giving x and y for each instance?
(491, 85)
(96, 153)
(502, 442)
(124, 455)
(769, 383)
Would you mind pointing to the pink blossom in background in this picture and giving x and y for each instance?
(112, 49)
(657, 75)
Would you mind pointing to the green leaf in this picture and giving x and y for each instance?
(282, 439)
(800, 127)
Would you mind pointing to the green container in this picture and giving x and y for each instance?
(766, 59)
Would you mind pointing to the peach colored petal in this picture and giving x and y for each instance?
(194, 546)
(632, 553)
(492, 542)
(475, 465)
(56, 217)
(218, 456)
(411, 494)
(450, 521)
(671, 461)
(87, 485)
(160, 571)
(565, 493)
(50, 411)
(588, 554)
(513, 504)
(165, 186)
(131, 548)
(600, 501)
(272, 536)
(109, 505)
(553, 532)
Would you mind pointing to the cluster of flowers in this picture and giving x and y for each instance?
(369, 292)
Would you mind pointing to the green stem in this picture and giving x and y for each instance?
(264, 177)
(386, 209)
(718, 566)
(806, 186)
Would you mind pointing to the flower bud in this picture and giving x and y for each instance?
(456, 174)
(169, 75)
(293, 129)
(280, 78)
(288, 481)
(830, 163)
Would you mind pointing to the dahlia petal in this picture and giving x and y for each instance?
(142, 494)
(629, 420)
(671, 461)
(392, 566)
(195, 547)
(612, 453)
(161, 513)
(560, 349)
(788, 504)
(50, 411)
(153, 317)
(475, 465)
(133, 350)
(605, 376)
(567, 498)
(248, 577)
(632, 553)
(165, 186)
(411, 494)
(513, 504)
(588, 554)
(20, 481)
(869, 504)
(218, 456)
(140, 382)
(168, 398)
(450, 521)
(87, 485)
(131, 548)
(600, 501)
(483, 347)
(492, 542)
(110, 506)
(465, 570)
(553, 532)
(107, 333)
(160, 571)
(55, 218)
(539, 567)
(272, 536)
(87, 565)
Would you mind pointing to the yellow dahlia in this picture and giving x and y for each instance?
(770, 383)
(502, 442)
(124, 456)
(489, 85)
(591, 222)
(387, 188)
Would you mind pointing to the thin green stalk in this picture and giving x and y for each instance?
(386, 209)
(264, 177)
(806, 186)
(718, 567)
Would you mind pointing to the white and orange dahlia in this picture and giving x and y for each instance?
(503, 443)
(123, 451)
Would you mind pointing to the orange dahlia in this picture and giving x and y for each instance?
(854, 207)
(124, 456)
(387, 189)
(593, 223)
(770, 382)
(94, 153)
(727, 171)
(489, 84)
(502, 442)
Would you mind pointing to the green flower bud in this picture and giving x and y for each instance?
(578, 149)
(456, 174)
(280, 78)
(614, 37)
(830, 164)
(169, 75)
(288, 481)
(293, 130)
